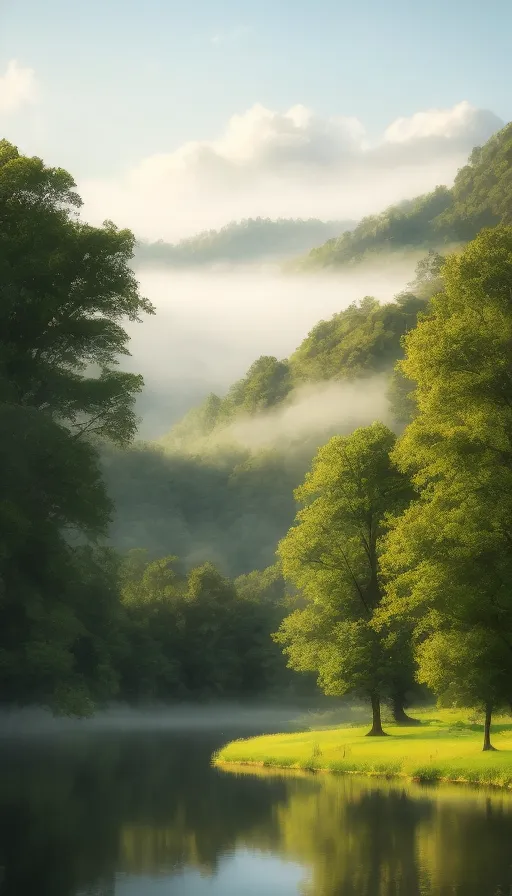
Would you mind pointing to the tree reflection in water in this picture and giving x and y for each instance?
(76, 812)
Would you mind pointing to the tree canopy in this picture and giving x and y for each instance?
(448, 558)
(331, 555)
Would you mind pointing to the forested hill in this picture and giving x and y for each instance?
(241, 242)
(360, 342)
(212, 491)
(480, 197)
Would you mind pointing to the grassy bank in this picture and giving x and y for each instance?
(446, 747)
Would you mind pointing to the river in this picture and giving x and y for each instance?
(142, 813)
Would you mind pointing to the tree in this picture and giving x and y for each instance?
(467, 668)
(51, 491)
(332, 556)
(65, 287)
(448, 559)
(266, 383)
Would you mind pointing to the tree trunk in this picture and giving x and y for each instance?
(487, 728)
(399, 714)
(376, 729)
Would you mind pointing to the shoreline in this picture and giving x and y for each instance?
(228, 765)
(446, 748)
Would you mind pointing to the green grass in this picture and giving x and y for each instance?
(446, 747)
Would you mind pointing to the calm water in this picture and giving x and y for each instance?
(145, 815)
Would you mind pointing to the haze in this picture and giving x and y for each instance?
(210, 326)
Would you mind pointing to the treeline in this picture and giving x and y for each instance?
(80, 624)
(249, 240)
(403, 549)
(480, 197)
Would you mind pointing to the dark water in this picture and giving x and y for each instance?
(129, 814)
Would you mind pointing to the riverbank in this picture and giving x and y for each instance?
(446, 747)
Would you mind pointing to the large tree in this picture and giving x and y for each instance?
(331, 555)
(449, 556)
(65, 289)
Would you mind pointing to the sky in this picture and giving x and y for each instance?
(174, 117)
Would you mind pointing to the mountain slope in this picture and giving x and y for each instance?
(220, 485)
(241, 242)
(480, 197)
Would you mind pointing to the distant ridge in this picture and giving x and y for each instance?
(252, 239)
(480, 197)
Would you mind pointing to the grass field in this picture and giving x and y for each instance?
(446, 747)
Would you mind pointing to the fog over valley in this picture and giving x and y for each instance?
(211, 325)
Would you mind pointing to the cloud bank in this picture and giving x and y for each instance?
(291, 164)
(17, 87)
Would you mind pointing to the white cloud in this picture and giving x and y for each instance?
(295, 164)
(17, 87)
(447, 124)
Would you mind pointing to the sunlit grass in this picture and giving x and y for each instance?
(446, 747)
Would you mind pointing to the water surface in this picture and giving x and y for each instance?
(109, 813)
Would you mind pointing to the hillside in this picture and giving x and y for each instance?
(241, 242)
(480, 197)
(220, 485)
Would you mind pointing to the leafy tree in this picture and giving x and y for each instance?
(467, 667)
(448, 559)
(363, 340)
(65, 287)
(332, 556)
(51, 490)
(266, 384)
(196, 634)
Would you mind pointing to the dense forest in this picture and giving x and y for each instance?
(150, 571)
(241, 242)
(480, 197)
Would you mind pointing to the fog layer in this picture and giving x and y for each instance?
(210, 326)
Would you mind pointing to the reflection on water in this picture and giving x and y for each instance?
(143, 815)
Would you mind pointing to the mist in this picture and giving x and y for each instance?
(153, 716)
(314, 410)
(211, 325)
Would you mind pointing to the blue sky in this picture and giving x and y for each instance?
(120, 80)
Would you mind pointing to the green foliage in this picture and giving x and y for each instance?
(332, 556)
(266, 384)
(244, 241)
(65, 288)
(448, 559)
(480, 197)
(466, 667)
(407, 225)
(361, 341)
(195, 634)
